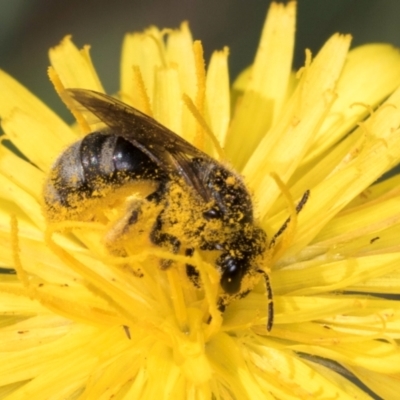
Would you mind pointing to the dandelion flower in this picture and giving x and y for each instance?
(79, 321)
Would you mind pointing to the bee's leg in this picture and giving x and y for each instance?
(121, 227)
(221, 307)
(165, 240)
(114, 238)
(191, 270)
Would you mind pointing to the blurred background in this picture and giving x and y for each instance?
(29, 28)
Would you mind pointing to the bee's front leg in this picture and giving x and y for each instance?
(191, 271)
(114, 236)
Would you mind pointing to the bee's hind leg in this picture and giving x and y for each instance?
(115, 237)
(164, 240)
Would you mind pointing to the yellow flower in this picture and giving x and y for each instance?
(78, 322)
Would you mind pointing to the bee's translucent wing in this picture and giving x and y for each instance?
(168, 150)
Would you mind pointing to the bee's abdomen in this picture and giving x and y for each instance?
(100, 160)
(114, 159)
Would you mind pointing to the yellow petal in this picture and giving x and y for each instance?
(167, 105)
(144, 51)
(229, 366)
(74, 67)
(365, 220)
(351, 389)
(330, 276)
(385, 386)
(180, 54)
(371, 73)
(373, 355)
(262, 101)
(11, 192)
(388, 283)
(21, 173)
(334, 193)
(285, 369)
(217, 94)
(282, 150)
(34, 128)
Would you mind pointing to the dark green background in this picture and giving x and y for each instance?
(29, 27)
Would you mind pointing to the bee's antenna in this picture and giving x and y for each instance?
(299, 207)
(270, 320)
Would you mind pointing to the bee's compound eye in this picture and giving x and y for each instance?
(232, 275)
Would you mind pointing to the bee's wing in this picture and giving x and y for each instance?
(168, 150)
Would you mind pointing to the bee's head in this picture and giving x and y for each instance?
(233, 272)
(240, 257)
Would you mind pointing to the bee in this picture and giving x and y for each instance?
(202, 204)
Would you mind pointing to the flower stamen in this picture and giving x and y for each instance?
(203, 124)
(141, 92)
(59, 87)
(177, 298)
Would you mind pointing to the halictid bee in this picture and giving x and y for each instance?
(201, 203)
